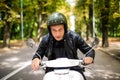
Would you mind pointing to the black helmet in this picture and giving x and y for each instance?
(55, 19)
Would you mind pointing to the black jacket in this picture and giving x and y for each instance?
(71, 43)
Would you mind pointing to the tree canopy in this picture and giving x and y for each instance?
(105, 14)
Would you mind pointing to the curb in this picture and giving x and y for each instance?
(111, 54)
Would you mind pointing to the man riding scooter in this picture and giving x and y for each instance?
(61, 43)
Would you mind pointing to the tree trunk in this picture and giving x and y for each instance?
(6, 38)
(89, 27)
(105, 42)
(105, 18)
(42, 19)
(87, 33)
(90, 20)
(6, 33)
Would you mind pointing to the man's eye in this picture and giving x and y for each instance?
(60, 30)
(54, 30)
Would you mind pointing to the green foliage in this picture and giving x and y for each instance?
(10, 11)
(113, 16)
(33, 10)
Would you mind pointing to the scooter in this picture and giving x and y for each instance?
(61, 72)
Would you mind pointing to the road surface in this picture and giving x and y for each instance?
(15, 65)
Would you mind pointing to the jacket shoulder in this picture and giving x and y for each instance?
(45, 39)
(72, 34)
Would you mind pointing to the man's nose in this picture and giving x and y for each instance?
(57, 33)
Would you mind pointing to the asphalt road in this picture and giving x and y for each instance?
(15, 65)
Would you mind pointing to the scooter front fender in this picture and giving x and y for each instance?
(71, 75)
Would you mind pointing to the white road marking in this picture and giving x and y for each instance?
(16, 71)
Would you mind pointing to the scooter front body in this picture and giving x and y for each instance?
(63, 75)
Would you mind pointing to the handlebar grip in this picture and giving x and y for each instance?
(82, 61)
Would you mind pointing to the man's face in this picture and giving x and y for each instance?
(58, 31)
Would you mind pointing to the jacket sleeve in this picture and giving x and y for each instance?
(84, 47)
(41, 49)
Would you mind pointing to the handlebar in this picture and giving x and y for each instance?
(62, 62)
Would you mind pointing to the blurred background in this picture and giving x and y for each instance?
(23, 19)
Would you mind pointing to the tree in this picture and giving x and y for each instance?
(105, 10)
(84, 14)
(35, 13)
(8, 16)
(104, 20)
(114, 19)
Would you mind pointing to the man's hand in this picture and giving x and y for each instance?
(88, 60)
(35, 64)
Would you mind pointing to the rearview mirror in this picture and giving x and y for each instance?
(30, 43)
(95, 42)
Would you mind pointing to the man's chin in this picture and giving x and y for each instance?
(58, 39)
